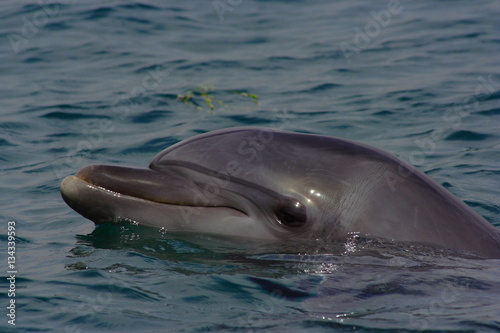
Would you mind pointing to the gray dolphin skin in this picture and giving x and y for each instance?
(275, 185)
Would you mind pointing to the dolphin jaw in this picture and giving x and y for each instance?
(76, 190)
(102, 205)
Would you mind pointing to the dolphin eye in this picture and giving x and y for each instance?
(291, 213)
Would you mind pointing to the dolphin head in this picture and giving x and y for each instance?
(251, 182)
(269, 184)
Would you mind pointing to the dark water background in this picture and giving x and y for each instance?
(117, 81)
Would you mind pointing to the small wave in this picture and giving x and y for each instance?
(467, 136)
(325, 86)
(98, 13)
(383, 113)
(155, 146)
(6, 143)
(490, 112)
(151, 116)
(214, 64)
(139, 6)
(318, 88)
(71, 115)
(57, 26)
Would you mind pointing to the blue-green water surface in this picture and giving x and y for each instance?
(115, 82)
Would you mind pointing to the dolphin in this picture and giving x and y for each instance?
(275, 185)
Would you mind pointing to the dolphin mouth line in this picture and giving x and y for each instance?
(96, 187)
